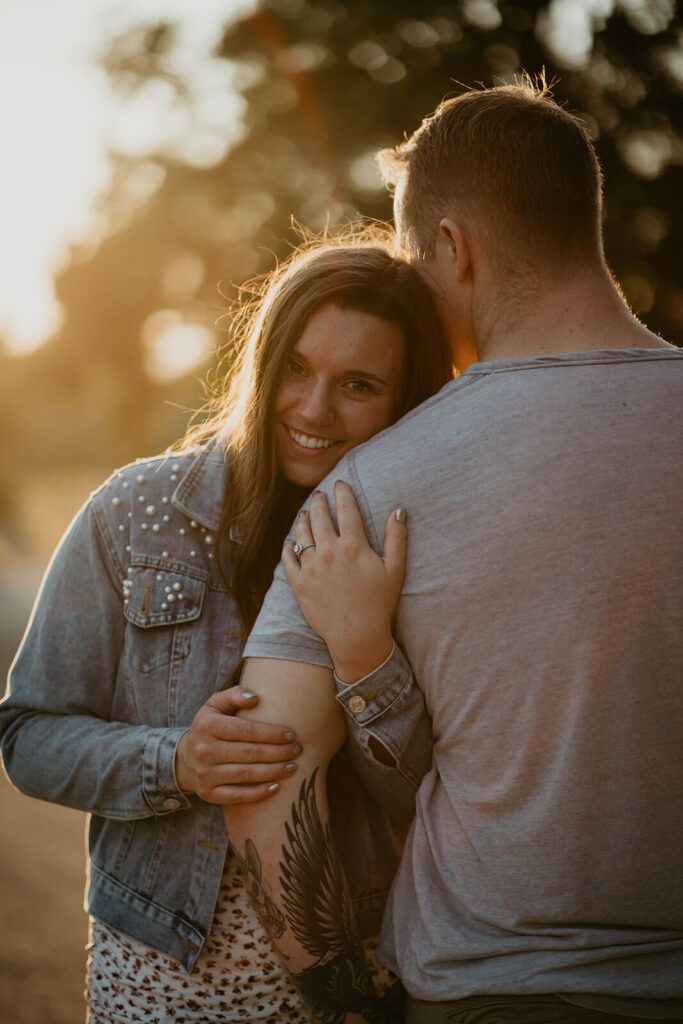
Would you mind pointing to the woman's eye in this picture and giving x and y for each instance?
(360, 387)
(294, 368)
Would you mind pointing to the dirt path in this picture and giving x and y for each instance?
(43, 928)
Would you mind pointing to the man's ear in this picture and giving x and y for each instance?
(457, 246)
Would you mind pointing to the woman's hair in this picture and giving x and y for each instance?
(259, 504)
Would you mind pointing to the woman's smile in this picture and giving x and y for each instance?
(308, 441)
(340, 385)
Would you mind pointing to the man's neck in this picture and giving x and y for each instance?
(575, 316)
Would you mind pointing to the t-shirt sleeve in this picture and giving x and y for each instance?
(281, 631)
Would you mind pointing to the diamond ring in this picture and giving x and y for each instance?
(298, 548)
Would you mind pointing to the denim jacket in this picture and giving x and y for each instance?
(133, 629)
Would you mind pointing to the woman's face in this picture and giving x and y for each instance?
(340, 385)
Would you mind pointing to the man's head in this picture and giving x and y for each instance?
(500, 186)
(509, 161)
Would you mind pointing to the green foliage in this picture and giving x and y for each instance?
(326, 84)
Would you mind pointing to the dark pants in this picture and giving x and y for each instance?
(511, 1010)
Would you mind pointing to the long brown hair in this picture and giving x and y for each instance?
(259, 504)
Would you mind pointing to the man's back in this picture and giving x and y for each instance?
(541, 612)
(542, 615)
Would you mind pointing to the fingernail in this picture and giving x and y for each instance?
(297, 749)
(400, 514)
(273, 787)
(248, 695)
(291, 766)
(289, 736)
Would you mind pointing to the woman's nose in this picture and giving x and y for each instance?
(316, 405)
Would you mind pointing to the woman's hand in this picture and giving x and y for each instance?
(227, 760)
(346, 591)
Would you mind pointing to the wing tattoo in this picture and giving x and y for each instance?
(318, 908)
(271, 916)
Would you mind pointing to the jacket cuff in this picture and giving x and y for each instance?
(159, 784)
(369, 697)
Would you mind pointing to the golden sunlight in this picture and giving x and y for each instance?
(62, 119)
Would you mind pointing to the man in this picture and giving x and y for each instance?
(540, 611)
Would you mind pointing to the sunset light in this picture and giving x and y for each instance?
(190, 189)
(61, 116)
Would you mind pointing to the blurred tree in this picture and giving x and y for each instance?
(325, 85)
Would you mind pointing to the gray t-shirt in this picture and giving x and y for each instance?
(542, 612)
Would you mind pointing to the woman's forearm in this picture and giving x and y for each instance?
(110, 769)
(390, 733)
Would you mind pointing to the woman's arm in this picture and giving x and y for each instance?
(348, 594)
(71, 735)
(58, 740)
(390, 733)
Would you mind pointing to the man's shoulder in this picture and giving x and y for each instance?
(416, 422)
(493, 398)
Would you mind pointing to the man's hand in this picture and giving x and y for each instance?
(228, 760)
(347, 591)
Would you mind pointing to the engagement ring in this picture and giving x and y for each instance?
(298, 548)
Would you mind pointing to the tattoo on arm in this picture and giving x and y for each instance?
(271, 917)
(317, 908)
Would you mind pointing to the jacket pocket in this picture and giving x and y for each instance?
(157, 602)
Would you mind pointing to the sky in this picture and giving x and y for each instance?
(59, 116)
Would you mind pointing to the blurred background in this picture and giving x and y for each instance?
(158, 153)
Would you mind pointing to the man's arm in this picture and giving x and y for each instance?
(348, 592)
(293, 875)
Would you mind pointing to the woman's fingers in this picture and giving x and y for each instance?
(302, 529)
(227, 727)
(316, 524)
(322, 527)
(236, 774)
(231, 700)
(217, 764)
(348, 513)
(220, 748)
(395, 542)
(290, 563)
(235, 752)
(294, 552)
(230, 796)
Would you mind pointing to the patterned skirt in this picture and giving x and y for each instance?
(238, 976)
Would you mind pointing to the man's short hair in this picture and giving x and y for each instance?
(510, 160)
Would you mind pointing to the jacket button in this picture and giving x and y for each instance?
(171, 804)
(357, 704)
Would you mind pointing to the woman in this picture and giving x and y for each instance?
(120, 681)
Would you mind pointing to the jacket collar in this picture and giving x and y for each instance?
(200, 492)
